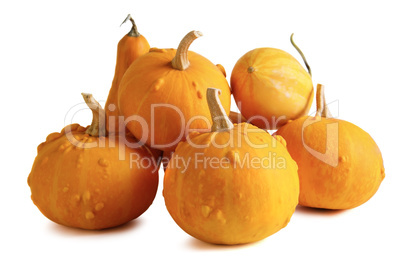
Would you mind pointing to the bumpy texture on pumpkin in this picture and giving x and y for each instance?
(340, 165)
(78, 185)
(234, 194)
(271, 87)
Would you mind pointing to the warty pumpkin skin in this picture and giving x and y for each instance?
(227, 199)
(166, 90)
(340, 165)
(130, 47)
(271, 87)
(84, 181)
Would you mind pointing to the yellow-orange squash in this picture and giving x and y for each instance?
(129, 48)
(340, 165)
(270, 87)
(234, 185)
(80, 179)
(163, 94)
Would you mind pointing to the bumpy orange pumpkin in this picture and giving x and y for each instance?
(129, 48)
(234, 185)
(81, 178)
(340, 165)
(163, 94)
(271, 87)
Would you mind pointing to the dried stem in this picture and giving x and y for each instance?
(220, 121)
(134, 31)
(98, 125)
(322, 107)
(236, 118)
(180, 60)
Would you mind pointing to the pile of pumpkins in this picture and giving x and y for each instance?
(227, 180)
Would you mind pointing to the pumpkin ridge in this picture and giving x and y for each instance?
(83, 184)
(179, 195)
(144, 98)
(173, 72)
(54, 193)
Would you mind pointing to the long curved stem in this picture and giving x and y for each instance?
(220, 121)
(98, 125)
(301, 54)
(134, 31)
(180, 60)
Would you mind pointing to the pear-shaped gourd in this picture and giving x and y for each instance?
(130, 47)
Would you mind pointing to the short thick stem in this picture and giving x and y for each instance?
(180, 60)
(134, 31)
(220, 121)
(322, 108)
(98, 125)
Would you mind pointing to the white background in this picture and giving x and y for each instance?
(51, 51)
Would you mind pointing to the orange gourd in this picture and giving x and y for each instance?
(340, 165)
(163, 94)
(233, 185)
(270, 87)
(129, 48)
(82, 178)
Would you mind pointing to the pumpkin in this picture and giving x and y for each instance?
(340, 165)
(233, 185)
(129, 48)
(162, 95)
(82, 178)
(270, 87)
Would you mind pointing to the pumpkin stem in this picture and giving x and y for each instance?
(98, 125)
(180, 60)
(237, 117)
(301, 54)
(322, 107)
(220, 121)
(134, 31)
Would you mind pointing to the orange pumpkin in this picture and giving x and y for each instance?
(270, 87)
(129, 48)
(340, 165)
(81, 178)
(234, 185)
(163, 94)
